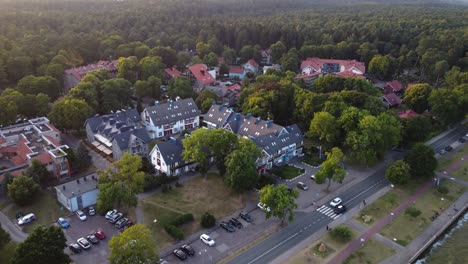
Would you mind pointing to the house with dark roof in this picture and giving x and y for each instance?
(117, 133)
(393, 87)
(312, 68)
(78, 194)
(170, 118)
(201, 76)
(34, 139)
(251, 66)
(167, 158)
(391, 100)
(279, 144)
(74, 75)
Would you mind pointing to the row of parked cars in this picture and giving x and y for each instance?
(85, 243)
(117, 218)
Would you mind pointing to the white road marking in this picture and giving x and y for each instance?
(273, 248)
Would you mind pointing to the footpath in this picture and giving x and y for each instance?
(424, 239)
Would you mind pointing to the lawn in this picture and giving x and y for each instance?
(287, 172)
(372, 252)
(196, 196)
(7, 252)
(446, 161)
(44, 206)
(392, 199)
(405, 228)
(311, 255)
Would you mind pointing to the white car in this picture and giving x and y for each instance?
(110, 214)
(312, 177)
(81, 215)
(207, 240)
(263, 207)
(83, 242)
(335, 202)
(26, 219)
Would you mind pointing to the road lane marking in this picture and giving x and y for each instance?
(273, 248)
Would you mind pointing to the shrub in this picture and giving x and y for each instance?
(341, 233)
(208, 220)
(412, 211)
(151, 182)
(443, 189)
(264, 181)
(174, 231)
(182, 219)
(166, 188)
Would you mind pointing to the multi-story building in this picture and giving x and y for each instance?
(170, 118)
(34, 139)
(166, 158)
(78, 194)
(73, 76)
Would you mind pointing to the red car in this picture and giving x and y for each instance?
(99, 234)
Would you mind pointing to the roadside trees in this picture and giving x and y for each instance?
(70, 114)
(241, 166)
(22, 189)
(134, 245)
(332, 168)
(398, 173)
(421, 161)
(280, 200)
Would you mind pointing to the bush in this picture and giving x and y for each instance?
(264, 181)
(412, 211)
(341, 233)
(182, 219)
(208, 220)
(165, 188)
(174, 231)
(150, 182)
(22, 190)
(443, 189)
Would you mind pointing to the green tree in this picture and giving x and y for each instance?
(415, 129)
(167, 54)
(42, 104)
(196, 149)
(205, 99)
(416, 97)
(183, 58)
(398, 173)
(8, 113)
(82, 154)
(383, 66)
(241, 166)
(332, 168)
(181, 87)
(444, 104)
(324, 127)
(421, 161)
(128, 68)
(229, 55)
(38, 172)
(4, 237)
(22, 190)
(70, 114)
(116, 94)
(210, 59)
(88, 92)
(220, 143)
(280, 200)
(150, 66)
(134, 245)
(350, 117)
(277, 50)
(43, 245)
(43, 84)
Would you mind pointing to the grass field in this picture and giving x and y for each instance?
(310, 255)
(372, 252)
(7, 252)
(287, 172)
(44, 206)
(405, 228)
(197, 196)
(462, 171)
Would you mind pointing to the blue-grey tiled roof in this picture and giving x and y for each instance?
(171, 151)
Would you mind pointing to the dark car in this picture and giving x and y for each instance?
(121, 222)
(228, 227)
(188, 249)
(92, 238)
(180, 254)
(339, 209)
(244, 215)
(236, 223)
(100, 235)
(448, 148)
(462, 140)
(165, 138)
(115, 218)
(75, 248)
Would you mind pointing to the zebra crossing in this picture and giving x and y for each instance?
(328, 211)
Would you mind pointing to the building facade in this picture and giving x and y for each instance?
(166, 158)
(78, 194)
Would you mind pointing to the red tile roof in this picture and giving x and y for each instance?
(348, 74)
(18, 172)
(53, 128)
(347, 65)
(234, 87)
(17, 161)
(395, 85)
(253, 63)
(220, 60)
(44, 158)
(173, 72)
(2, 140)
(80, 72)
(392, 99)
(22, 149)
(53, 141)
(236, 70)
(407, 113)
(200, 71)
(304, 76)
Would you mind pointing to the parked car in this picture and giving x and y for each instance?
(180, 254)
(188, 249)
(75, 248)
(335, 202)
(115, 218)
(462, 140)
(100, 235)
(228, 227)
(81, 215)
(110, 214)
(302, 186)
(83, 243)
(236, 223)
(92, 238)
(442, 152)
(339, 209)
(26, 219)
(91, 211)
(207, 240)
(63, 223)
(121, 222)
(448, 148)
(244, 215)
(263, 207)
(312, 177)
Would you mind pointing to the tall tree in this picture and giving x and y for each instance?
(416, 97)
(82, 154)
(134, 245)
(398, 173)
(196, 149)
(205, 99)
(280, 200)
(332, 168)
(415, 129)
(38, 172)
(277, 50)
(241, 167)
(43, 245)
(324, 127)
(70, 114)
(421, 161)
(181, 87)
(445, 107)
(22, 190)
(128, 68)
(151, 66)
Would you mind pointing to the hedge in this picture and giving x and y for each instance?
(174, 231)
(182, 219)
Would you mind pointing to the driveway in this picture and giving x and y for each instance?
(15, 232)
(98, 253)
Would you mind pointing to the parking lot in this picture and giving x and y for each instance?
(97, 253)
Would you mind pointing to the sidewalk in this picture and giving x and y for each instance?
(15, 233)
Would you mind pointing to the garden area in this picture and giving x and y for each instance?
(287, 172)
(372, 252)
(195, 197)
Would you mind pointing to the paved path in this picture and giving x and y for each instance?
(15, 233)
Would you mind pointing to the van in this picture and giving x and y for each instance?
(26, 219)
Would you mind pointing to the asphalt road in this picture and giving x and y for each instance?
(306, 224)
